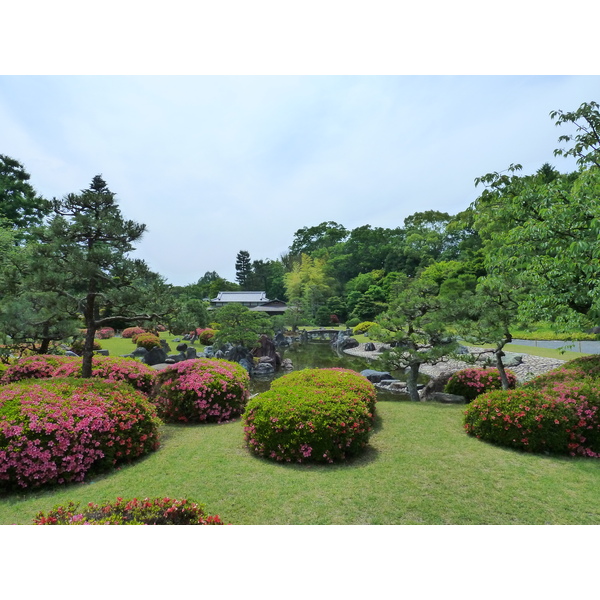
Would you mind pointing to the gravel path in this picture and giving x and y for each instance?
(530, 367)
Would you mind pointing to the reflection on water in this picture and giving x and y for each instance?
(315, 355)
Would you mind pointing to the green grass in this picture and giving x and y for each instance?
(545, 331)
(545, 352)
(420, 468)
(118, 346)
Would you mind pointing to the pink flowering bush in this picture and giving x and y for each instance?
(39, 366)
(472, 382)
(147, 340)
(113, 368)
(202, 391)
(560, 417)
(105, 333)
(155, 511)
(58, 430)
(129, 332)
(313, 415)
(205, 336)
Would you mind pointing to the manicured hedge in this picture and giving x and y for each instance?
(130, 332)
(314, 415)
(155, 511)
(114, 368)
(147, 340)
(472, 382)
(560, 417)
(55, 431)
(202, 391)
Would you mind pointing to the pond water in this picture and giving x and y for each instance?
(320, 355)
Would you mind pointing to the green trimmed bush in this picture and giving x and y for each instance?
(40, 366)
(590, 365)
(314, 415)
(55, 431)
(202, 391)
(147, 340)
(156, 511)
(472, 382)
(561, 418)
(362, 327)
(113, 368)
(206, 335)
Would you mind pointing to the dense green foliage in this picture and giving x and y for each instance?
(313, 415)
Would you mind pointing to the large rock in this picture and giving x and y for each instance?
(181, 347)
(139, 352)
(190, 353)
(155, 356)
(510, 359)
(375, 376)
(370, 347)
(101, 352)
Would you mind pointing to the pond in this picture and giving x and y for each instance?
(320, 355)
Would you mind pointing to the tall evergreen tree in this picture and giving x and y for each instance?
(243, 268)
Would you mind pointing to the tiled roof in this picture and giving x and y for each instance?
(241, 297)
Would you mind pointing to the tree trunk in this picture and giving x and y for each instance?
(90, 323)
(501, 370)
(411, 382)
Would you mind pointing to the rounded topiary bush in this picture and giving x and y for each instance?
(40, 366)
(202, 391)
(105, 333)
(472, 382)
(590, 365)
(155, 511)
(130, 332)
(206, 335)
(562, 418)
(147, 340)
(114, 368)
(58, 430)
(362, 327)
(560, 375)
(314, 415)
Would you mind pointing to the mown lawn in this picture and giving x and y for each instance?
(421, 468)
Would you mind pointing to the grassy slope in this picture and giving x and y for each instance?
(421, 468)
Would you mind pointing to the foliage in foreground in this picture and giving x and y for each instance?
(40, 366)
(556, 413)
(202, 391)
(314, 415)
(156, 511)
(59, 430)
(472, 382)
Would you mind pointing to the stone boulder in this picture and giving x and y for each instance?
(370, 347)
(287, 365)
(181, 347)
(375, 376)
(190, 353)
(139, 352)
(156, 356)
(510, 359)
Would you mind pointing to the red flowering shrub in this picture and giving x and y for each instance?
(156, 511)
(313, 415)
(205, 336)
(131, 331)
(161, 328)
(40, 366)
(113, 368)
(202, 391)
(147, 340)
(559, 375)
(59, 430)
(562, 418)
(105, 333)
(472, 382)
(77, 346)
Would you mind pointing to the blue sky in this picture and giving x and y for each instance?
(216, 164)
